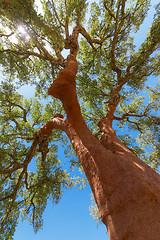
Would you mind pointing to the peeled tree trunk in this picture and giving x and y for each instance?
(126, 190)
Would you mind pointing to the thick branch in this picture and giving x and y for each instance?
(74, 41)
(110, 113)
(56, 122)
(71, 42)
(113, 102)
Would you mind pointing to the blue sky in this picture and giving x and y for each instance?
(70, 219)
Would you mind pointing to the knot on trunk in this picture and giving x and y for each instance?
(115, 96)
(105, 126)
(64, 84)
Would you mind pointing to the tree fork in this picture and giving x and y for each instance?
(126, 190)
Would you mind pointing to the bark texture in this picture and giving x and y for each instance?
(126, 190)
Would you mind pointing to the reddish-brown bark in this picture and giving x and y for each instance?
(126, 190)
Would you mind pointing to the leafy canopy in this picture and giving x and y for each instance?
(33, 47)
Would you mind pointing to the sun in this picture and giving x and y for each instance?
(21, 30)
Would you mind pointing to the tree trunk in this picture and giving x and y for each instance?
(126, 190)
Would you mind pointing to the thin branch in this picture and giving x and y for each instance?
(109, 11)
(118, 27)
(66, 22)
(13, 198)
(137, 6)
(56, 14)
(122, 14)
(24, 111)
(17, 105)
(7, 35)
(44, 50)
(6, 197)
(40, 183)
(28, 209)
(117, 15)
(18, 135)
(85, 34)
(125, 115)
(102, 92)
(5, 178)
(48, 55)
(26, 176)
(25, 53)
(56, 122)
(90, 40)
(28, 158)
(103, 39)
(135, 124)
(34, 210)
(11, 170)
(129, 74)
(113, 47)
